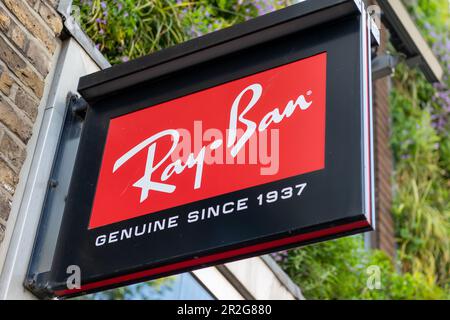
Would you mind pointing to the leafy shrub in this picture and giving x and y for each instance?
(338, 269)
(128, 29)
(421, 146)
(421, 205)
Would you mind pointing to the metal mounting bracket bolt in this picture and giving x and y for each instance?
(78, 106)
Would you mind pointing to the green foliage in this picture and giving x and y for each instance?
(421, 146)
(339, 269)
(422, 204)
(128, 29)
(435, 12)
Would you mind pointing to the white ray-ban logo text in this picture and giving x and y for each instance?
(241, 131)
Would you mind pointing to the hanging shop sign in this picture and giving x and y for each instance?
(245, 141)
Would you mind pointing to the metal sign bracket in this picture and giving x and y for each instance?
(44, 246)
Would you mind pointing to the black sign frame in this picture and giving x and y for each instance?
(339, 27)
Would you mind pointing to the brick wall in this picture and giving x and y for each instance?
(29, 31)
(384, 237)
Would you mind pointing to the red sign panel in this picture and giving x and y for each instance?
(251, 131)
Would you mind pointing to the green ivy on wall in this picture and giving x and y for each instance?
(421, 146)
(421, 205)
(339, 269)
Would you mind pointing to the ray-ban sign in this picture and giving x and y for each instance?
(162, 164)
(246, 141)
